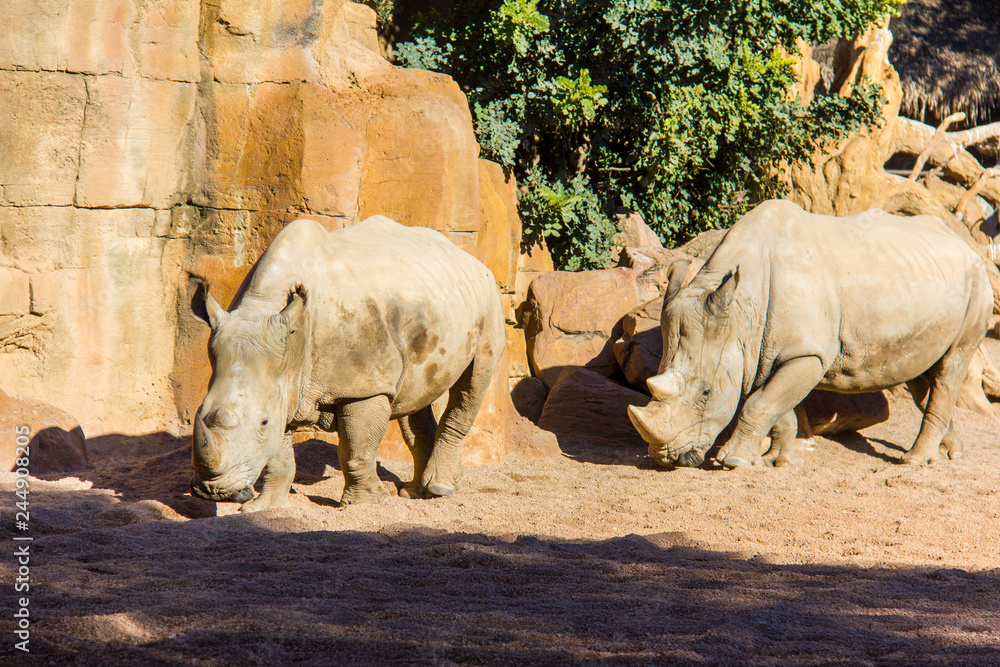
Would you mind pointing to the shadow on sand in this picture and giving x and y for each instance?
(255, 590)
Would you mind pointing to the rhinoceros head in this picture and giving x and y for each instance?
(697, 390)
(240, 425)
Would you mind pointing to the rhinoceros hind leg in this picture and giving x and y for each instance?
(278, 475)
(784, 450)
(361, 425)
(418, 432)
(443, 473)
(932, 399)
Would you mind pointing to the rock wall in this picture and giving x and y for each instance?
(153, 139)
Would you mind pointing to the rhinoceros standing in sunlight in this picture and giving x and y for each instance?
(791, 301)
(346, 330)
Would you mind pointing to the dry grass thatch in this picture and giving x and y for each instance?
(947, 53)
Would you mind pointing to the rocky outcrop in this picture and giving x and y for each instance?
(571, 319)
(588, 413)
(55, 441)
(576, 319)
(149, 141)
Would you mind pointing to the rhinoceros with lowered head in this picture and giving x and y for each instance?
(346, 330)
(791, 301)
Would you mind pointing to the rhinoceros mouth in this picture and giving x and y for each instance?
(691, 457)
(208, 491)
(679, 452)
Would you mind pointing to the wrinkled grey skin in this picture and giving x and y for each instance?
(792, 301)
(346, 330)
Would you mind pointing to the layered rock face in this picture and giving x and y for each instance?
(151, 140)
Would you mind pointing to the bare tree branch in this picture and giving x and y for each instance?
(940, 132)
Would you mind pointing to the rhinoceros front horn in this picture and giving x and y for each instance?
(206, 450)
(641, 418)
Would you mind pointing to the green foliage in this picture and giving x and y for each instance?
(675, 108)
(570, 216)
(577, 100)
(517, 23)
(383, 9)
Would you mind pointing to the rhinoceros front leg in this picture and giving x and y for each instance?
(785, 389)
(361, 425)
(278, 475)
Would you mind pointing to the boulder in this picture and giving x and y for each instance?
(640, 346)
(830, 413)
(55, 440)
(534, 260)
(499, 236)
(588, 413)
(633, 232)
(528, 395)
(571, 319)
(527, 441)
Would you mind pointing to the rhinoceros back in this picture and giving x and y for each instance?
(393, 309)
(878, 298)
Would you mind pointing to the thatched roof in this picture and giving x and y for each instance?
(947, 53)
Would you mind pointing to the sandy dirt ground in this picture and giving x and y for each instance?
(597, 558)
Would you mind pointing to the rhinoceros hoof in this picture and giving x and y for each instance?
(953, 452)
(413, 491)
(783, 461)
(732, 462)
(436, 490)
(364, 496)
(909, 458)
(258, 505)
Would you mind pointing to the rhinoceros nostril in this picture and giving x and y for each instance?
(691, 459)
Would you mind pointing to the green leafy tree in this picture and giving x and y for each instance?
(677, 109)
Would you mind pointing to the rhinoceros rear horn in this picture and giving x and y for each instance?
(665, 386)
(718, 301)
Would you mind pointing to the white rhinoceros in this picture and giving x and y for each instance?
(346, 330)
(791, 301)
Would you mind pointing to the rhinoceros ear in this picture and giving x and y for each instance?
(204, 306)
(718, 302)
(676, 276)
(290, 317)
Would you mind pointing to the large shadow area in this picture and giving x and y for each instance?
(251, 590)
